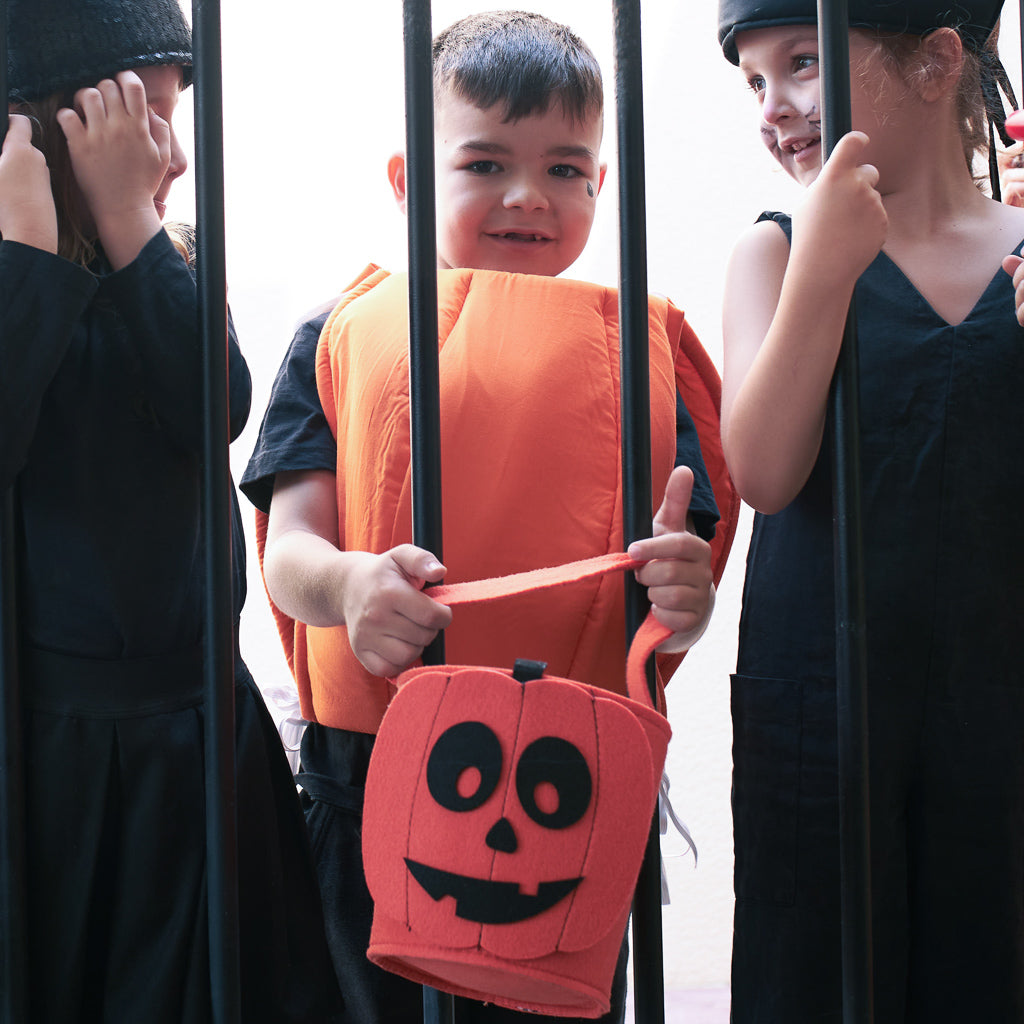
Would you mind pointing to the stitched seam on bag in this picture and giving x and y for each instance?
(595, 804)
(420, 776)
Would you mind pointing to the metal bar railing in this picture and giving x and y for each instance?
(851, 667)
(648, 954)
(424, 376)
(425, 425)
(218, 653)
(13, 940)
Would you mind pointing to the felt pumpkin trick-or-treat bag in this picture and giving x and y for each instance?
(505, 820)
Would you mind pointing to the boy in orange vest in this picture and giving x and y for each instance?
(530, 450)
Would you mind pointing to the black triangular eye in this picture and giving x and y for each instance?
(555, 763)
(465, 756)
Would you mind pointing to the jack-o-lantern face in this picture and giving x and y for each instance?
(553, 786)
(505, 815)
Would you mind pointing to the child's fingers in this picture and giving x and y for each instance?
(132, 93)
(418, 567)
(679, 621)
(677, 560)
(160, 132)
(91, 103)
(19, 131)
(388, 656)
(670, 518)
(1014, 266)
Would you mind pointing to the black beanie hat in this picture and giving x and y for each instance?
(59, 45)
(974, 19)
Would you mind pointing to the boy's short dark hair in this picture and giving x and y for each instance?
(520, 59)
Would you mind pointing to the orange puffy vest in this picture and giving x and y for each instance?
(530, 465)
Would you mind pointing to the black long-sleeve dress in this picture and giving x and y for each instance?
(100, 421)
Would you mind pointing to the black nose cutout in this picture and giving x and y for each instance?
(502, 837)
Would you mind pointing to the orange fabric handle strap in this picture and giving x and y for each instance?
(648, 636)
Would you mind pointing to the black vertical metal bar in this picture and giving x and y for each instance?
(13, 994)
(648, 954)
(425, 405)
(851, 658)
(14, 997)
(218, 654)
(424, 375)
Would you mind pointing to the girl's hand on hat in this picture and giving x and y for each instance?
(27, 211)
(389, 617)
(677, 573)
(841, 224)
(120, 151)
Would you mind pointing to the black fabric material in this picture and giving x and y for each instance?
(333, 777)
(100, 416)
(941, 433)
(106, 818)
(974, 19)
(58, 45)
(294, 434)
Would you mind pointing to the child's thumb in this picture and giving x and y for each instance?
(417, 564)
(849, 150)
(671, 517)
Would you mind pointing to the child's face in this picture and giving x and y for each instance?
(163, 86)
(517, 196)
(781, 67)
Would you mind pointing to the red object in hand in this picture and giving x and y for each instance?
(1015, 125)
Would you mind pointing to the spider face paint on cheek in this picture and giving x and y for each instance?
(590, 190)
(770, 138)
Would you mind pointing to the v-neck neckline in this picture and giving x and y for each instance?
(931, 309)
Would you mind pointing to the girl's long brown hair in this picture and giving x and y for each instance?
(75, 242)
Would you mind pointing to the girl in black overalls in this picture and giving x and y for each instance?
(895, 215)
(100, 432)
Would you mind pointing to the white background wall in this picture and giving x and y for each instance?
(313, 108)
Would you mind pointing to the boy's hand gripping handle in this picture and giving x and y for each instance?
(648, 636)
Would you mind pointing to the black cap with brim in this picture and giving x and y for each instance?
(57, 46)
(974, 19)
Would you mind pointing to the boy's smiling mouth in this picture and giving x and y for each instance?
(520, 236)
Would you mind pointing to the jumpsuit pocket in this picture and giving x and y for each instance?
(766, 717)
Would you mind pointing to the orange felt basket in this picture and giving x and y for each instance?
(505, 820)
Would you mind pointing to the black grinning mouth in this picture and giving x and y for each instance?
(488, 902)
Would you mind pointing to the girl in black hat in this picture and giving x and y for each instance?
(100, 417)
(897, 217)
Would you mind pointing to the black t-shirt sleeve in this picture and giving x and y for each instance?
(294, 434)
(703, 506)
